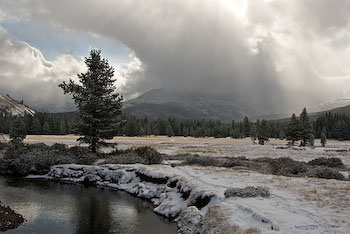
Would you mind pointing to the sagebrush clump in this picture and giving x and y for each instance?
(326, 173)
(151, 155)
(327, 162)
(287, 166)
(249, 191)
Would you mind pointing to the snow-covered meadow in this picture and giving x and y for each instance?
(218, 146)
(296, 205)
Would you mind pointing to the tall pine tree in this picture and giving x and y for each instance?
(97, 103)
(293, 129)
(305, 127)
(263, 132)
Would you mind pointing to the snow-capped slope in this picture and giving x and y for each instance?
(326, 106)
(163, 103)
(13, 107)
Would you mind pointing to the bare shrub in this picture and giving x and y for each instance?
(326, 173)
(129, 158)
(203, 161)
(287, 166)
(249, 191)
(236, 162)
(144, 155)
(151, 155)
(327, 162)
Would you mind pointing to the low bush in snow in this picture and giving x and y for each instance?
(38, 158)
(203, 161)
(277, 166)
(326, 173)
(151, 155)
(249, 191)
(81, 155)
(217, 161)
(287, 166)
(144, 155)
(125, 158)
(237, 162)
(327, 162)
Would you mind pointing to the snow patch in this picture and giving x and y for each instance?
(195, 197)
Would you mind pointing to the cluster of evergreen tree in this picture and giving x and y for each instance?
(132, 126)
(53, 124)
(300, 129)
(327, 126)
(38, 124)
(333, 126)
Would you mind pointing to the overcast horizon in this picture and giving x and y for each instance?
(274, 55)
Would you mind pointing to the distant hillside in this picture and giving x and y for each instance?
(340, 110)
(163, 103)
(13, 107)
(339, 106)
(313, 116)
(270, 117)
(330, 105)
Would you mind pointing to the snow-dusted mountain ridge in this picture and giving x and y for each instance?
(13, 107)
(326, 106)
(163, 103)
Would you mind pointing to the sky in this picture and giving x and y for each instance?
(273, 55)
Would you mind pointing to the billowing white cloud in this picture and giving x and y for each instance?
(25, 74)
(271, 54)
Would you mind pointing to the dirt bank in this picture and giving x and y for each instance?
(9, 219)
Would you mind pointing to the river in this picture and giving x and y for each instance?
(50, 207)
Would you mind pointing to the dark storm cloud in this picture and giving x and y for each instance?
(268, 55)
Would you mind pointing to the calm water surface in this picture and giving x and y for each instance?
(50, 207)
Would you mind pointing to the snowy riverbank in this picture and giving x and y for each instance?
(198, 192)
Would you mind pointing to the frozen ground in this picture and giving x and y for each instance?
(297, 205)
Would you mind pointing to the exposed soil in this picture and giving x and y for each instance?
(9, 219)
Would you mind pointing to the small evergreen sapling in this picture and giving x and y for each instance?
(18, 131)
(263, 132)
(323, 137)
(311, 139)
(253, 134)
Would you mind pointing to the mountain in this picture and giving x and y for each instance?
(164, 102)
(326, 106)
(339, 106)
(13, 107)
(314, 115)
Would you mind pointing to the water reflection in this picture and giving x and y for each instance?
(64, 208)
(93, 213)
